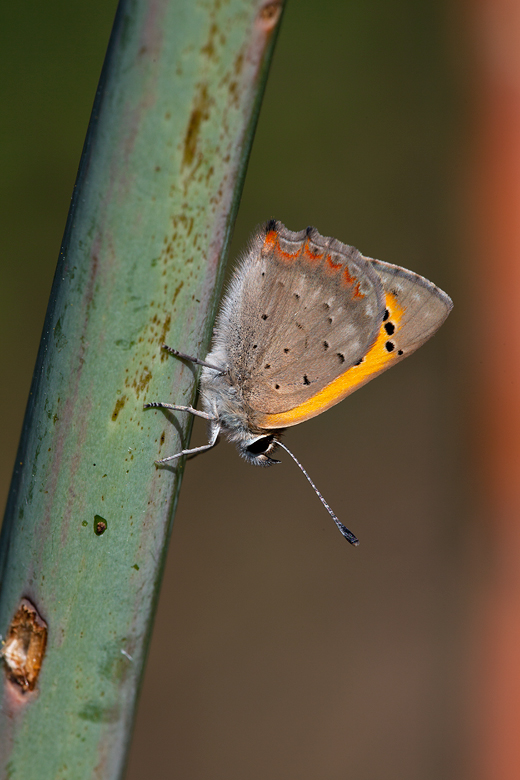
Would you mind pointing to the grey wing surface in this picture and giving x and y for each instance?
(425, 306)
(301, 309)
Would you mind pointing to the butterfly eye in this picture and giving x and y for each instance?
(260, 445)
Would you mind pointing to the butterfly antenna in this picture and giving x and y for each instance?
(349, 536)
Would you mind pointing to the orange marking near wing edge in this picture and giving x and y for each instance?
(272, 244)
(332, 265)
(357, 292)
(309, 254)
(270, 240)
(376, 361)
(287, 255)
(348, 278)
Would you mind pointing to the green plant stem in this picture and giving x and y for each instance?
(141, 263)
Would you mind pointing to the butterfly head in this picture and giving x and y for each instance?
(257, 449)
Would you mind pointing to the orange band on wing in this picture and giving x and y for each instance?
(272, 244)
(270, 240)
(310, 254)
(357, 292)
(376, 360)
(286, 255)
(332, 265)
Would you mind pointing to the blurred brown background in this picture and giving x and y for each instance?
(279, 651)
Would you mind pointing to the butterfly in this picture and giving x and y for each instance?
(306, 320)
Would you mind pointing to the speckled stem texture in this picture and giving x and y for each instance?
(89, 515)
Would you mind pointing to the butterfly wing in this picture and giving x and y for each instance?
(414, 309)
(300, 310)
(419, 306)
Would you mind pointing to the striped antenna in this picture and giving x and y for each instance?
(349, 536)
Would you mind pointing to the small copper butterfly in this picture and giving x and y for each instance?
(305, 322)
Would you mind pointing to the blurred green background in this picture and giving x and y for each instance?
(279, 650)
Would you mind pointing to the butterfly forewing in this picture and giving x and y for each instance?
(302, 308)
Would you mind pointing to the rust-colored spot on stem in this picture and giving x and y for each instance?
(24, 646)
(199, 113)
(270, 13)
(117, 408)
(100, 525)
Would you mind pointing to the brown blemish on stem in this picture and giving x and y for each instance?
(142, 382)
(117, 408)
(24, 646)
(100, 525)
(209, 48)
(175, 294)
(168, 319)
(199, 113)
(269, 14)
(239, 64)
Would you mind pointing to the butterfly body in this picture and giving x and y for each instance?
(305, 322)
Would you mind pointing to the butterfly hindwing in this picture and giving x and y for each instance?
(423, 307)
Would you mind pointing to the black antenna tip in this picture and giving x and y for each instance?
(349, 536)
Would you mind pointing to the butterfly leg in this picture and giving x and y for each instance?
(195, 450)
(195, 360)
(176, 408)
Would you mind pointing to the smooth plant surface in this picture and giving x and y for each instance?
(89, 515)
